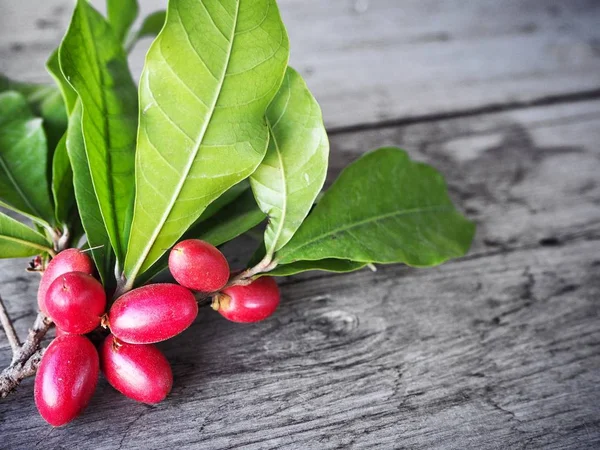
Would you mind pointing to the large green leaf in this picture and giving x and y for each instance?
(206, 85)
(18, 240)
(23, 159)
(293, 172)
(121, 15)
(150, 27)
(87, 202)
(94, 63)
(383, 208)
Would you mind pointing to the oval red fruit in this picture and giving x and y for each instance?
(251, 303)
(66, 379)
(70, 260)
(199, 266)
(152, 313)
(140, 372)
(75, 301)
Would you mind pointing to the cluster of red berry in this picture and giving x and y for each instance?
(76, 302)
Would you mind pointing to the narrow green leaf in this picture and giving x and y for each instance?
(233, 220)
(87, 202)
(68, 93)
(93, 61)
(151, 26)
(225, 199)
(383, 208)
(327, 265)
(23, 159)
(62, 183)
(293, 172)
(62, 175)
(206, 85)
(121, 15)
(18, 240)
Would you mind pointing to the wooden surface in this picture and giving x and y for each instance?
(498, 350)
(380, 60)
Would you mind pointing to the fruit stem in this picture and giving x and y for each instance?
(244, 278)
(61, 241)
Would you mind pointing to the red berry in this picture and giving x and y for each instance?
(140, 372)
(66, 379)
(199, 266)
(152, 313)
(70, 260)
(75, 301)
(251, 303)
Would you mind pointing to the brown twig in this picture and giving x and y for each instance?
(9, 330)
(26, 357)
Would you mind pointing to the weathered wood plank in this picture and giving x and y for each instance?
(499, 350)
(373, 60)
(491, 352)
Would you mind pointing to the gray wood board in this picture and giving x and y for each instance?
(374, 60)
(498, 350)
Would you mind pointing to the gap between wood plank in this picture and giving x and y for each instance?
(549, 100)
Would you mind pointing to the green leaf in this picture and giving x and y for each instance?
(62, 183)
(45, 101)
(151, 26)
(87, 202)
(206, 85)
(293, 172)
(383, 208)
(33, 92)
(327, 265)
(93, 61)
(23, 159)
(62, 174)
(13, 107)
(233, 220)
(225, 199)
(68, 93)
(18, 240)
(121, 15)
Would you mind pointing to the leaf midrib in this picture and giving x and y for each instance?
(439, 208)
(192, 158)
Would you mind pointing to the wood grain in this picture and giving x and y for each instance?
(374, 60)
(498, 350)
